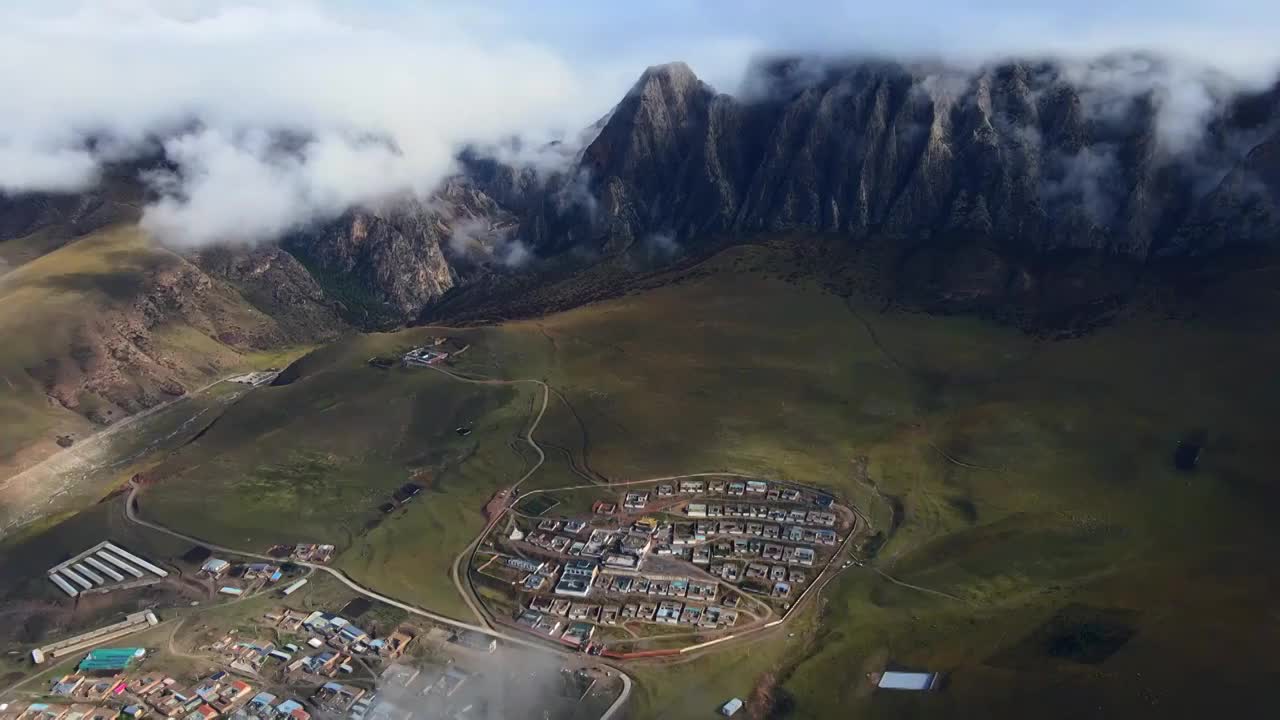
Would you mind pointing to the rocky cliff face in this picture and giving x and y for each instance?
(977, 186)
(385, 264)
(110, 324)
(1034, 184)
(77, 214)
(1028, 156)
(275, 284)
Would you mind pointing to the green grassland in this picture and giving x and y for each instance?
(314, 459)
(1020, 476)
(60, 310)
(1029, 474)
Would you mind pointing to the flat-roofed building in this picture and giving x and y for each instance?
(669, 612)
(917, 681)
(623, 562)
(635, 544)
(577, 577)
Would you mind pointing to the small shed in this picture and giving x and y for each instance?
(215, 567)
(731, 708)
(918, 681)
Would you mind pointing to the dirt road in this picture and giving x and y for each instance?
(47, 486)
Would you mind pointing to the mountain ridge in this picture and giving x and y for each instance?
(967, 182)
(1018, 191)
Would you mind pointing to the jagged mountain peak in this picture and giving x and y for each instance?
(1003, 163)
(994, 168)
(675, 77)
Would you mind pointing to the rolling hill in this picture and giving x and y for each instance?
(106, 324)
(1032, 479)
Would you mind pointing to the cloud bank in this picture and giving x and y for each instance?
(278, 113)
(375, 103)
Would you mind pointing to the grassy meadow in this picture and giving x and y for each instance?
(1032, 480)
(314, 460)
(1027, 476)
(70, 312)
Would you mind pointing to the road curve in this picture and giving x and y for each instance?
(464, 557)
(486, 628)
(622, 697)
(41, 484)
(132, 515)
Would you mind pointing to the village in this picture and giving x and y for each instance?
(289, 664)
(636, 570)
(703, 556)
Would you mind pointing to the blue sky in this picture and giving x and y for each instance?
(716, 37)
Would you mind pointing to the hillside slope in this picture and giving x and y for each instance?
(110, 324)
(1034, 480)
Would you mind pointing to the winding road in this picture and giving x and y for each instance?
(485, 626)
(465, 556)
(132, 515)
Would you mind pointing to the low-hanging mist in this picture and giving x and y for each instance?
(272, 116)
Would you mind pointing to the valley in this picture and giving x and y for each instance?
(109, 324)
(601, 361)
(1012, 484)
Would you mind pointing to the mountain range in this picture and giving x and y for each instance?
(984, 186)
(1039, 192)
(1038, 186)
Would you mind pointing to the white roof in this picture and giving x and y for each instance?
(906, 680)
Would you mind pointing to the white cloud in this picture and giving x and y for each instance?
(1184, 93)
(386, 92)
(24, 165)
(422, 81)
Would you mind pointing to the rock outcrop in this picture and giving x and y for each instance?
(979, 187)
(383, 265)
(1024, 155)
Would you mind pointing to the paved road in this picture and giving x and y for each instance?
(622, 697)
(132, 515)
